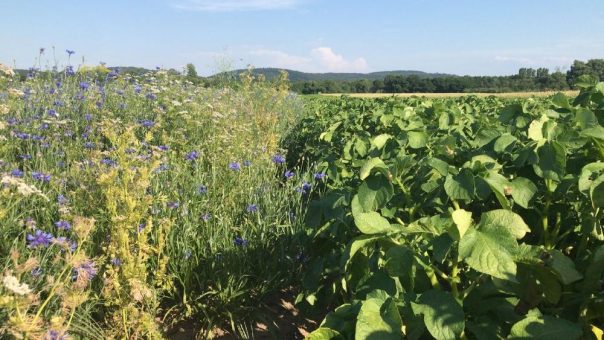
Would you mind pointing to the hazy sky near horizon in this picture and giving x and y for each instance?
(474, 37)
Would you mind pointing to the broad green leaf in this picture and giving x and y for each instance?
(370, 165)
(560, 100)
(463, 221)
(490, 251)
(460, 186)
(503, 142)
(369, 222)
(375, 192)
(504, 219)
(552, 161)
(357, 244)
(594, 271)
(535, 130)
(399, 261)
(565, 267)
(596, 192)
(585, 118)
(499, 185)
(443, 316)
(439, 165)
(379, 319)
(417, 139)
(343, 318)
(596, 132)
(523, 190)
(587, 174)
(545, 327)
(381, 140)
(323, 333)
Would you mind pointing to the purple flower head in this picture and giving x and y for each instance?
(235, 166)
(55, 335)
(36, 272)
(52, 113)
(162, 167)
(39, 239)
(289, 174)
(319, 176)
(191, 156)
(206, 217)
(147, 123)
(137, 88)
(69, 71)
(163, 148)
(141, 227)
(116, 261)
(64, 242)
(305, 188)
(16, 173)
(240, 241)
(88, 145)
(151, 96)
(173, 204)
(63, 225)
(252, 208)
(38, 176)
(84, 85)
(278, 159)
(85, 271)
(25, 157)
(108, 162)
(70, 52)
(202, 190)
(62, 200)
(22, 135)
(247, 163)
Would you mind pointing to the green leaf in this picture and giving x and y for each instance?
(443, 316)
(379, 319)
(370, 165)
(587, 173)
(375, 192)
(417, 139)
(460, 186)
(596, 192)
(564, 267)
(355, 245)
(594, 271)
(343, 318)
(523, 191)
(381, 140)
(560, 100)
(463, 221)
(504, 219)
(399, 261)
(499, 185)
(552, 161)
(369, 222)
(503, 142)
(596, 132)
(323, 333)
(545, 327)
(535, 130)
(585, 118)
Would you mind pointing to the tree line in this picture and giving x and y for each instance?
(527, 79)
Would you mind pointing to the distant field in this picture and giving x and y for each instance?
(445, 95)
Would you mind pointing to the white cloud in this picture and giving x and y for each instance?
(333, 62)
(322, 59)
(234, 5)
(281, 59)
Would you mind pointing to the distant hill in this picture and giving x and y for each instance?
(296, 76)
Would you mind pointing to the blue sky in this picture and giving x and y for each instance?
(455, 36)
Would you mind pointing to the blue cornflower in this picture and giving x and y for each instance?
(85, 271)
(116, 261)
(52, 113)
(191, 156)
(163, 147)
(278, 159)
(108, 162)
(64, 242)
(319, 176)
(252, 208)
(235, 166)
(202, 189)
(69, 71)
(206, 217)
(22, 135)
(84, 85)
(289, 174)
(25, 157)
(147, 123)
(62, 200)
(88, 117)
(70, 52)
(16, 173)
(240, 241)
(137, 88)
(63, 225)
(38, 176)
(56, 335)
(39, 239)
(36, 272)
(151, 96)
(162, 167)
(89, 145)
(247, 163)
(305, 188)
(173, 205)
(141, 227)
